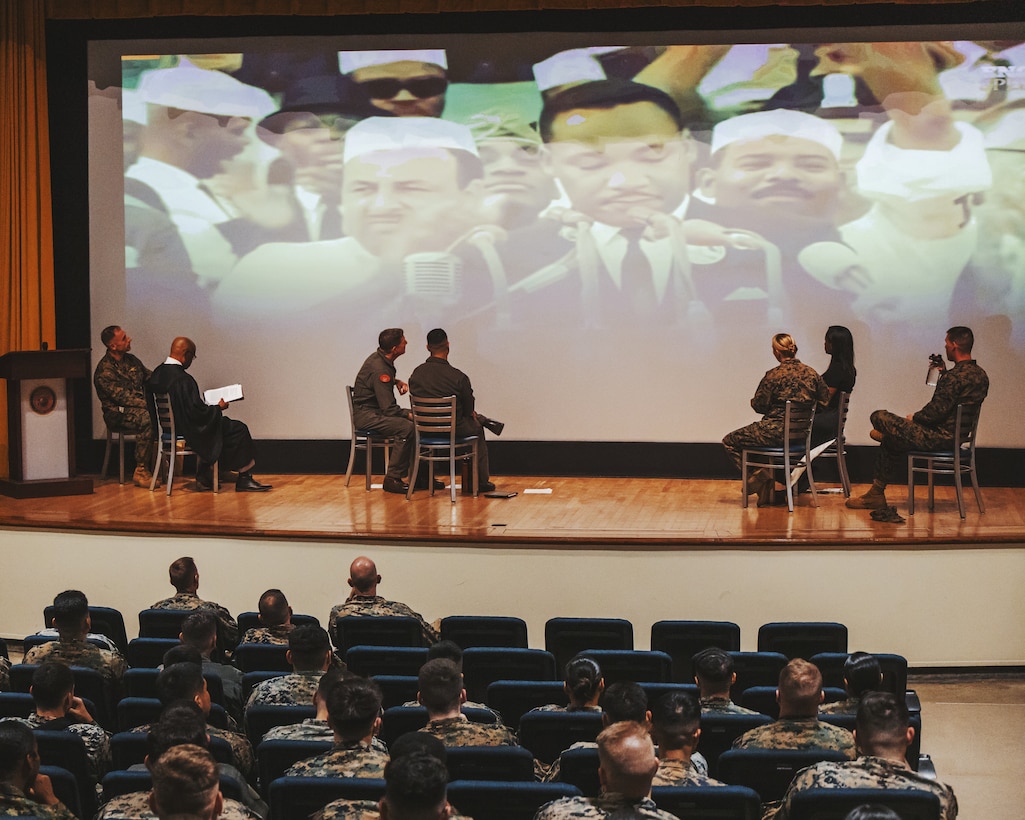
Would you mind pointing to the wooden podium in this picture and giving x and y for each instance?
(41, 422)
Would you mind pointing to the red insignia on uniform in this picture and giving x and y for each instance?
(385, 378)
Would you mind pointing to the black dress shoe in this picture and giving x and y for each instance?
(395, 485)
(247, 484)
(486, 487)
(205, 480)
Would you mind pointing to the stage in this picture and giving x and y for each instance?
(941, 591)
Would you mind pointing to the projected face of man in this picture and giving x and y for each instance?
(416, 89)
(204, 142)
(315, 152)
(403, 201)
(516, 185)
(777, 171)
(616, 164)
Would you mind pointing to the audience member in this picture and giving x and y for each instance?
(714, 675)
(275, 620)
(24, 792)
(627, 765)
(185, 579)
(798, 727)
(186, 783)
(120, 380)
(199, 631)
(584, 686)
(450, 650)
(676, 729)
(364, 600)
(883, 734)
(354, 715)
(442, 694)
(932, 427)
(417, 789)
(71, 619)
(861, 674)
(309, 652)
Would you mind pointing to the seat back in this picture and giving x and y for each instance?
(162, 623)
(296, 798)
(579, 767)
(567, 637)
(489, 763)
(769, 771)
(701, 802)
(893, 667)
(802, 639)
(377, 630)
(484, 630)
(397, 689)
(399, 720)
(166, 431)
(251, 620)
(368, 661)
(434, 420)
(797, 425)
(260, 718)
(128, 748)
(966, 426)
(719, 730)
(483, 665)
(547, 734)
(914, 751)
(756, 669)
(65, 788)
(67, 750)
(148, 653)
(16, 704)
(657, 689)
(835, 804)
(105, 621)
(631, 665)
(90, 685)
(274, 757)
(763, 698)
(512, 698)
(498, 800)
(122, 782)
(682, 640)
(260, 657)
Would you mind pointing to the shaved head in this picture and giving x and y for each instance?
(183, 349)
(627, 759)
(363, 575)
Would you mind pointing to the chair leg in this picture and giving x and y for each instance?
(743, 479)
(370, 461)
(811, 483)
(217, 480)
(932, 494)
(786, 480)
(172, 456)
(413, 472)
(474, 477)
(121, 457)
(841, 463)
(959, 489)
(156, 466)
(452, 475)
(352, 458)
(911, 485)
(106, 455)
(975, 486)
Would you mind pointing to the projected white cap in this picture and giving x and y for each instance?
(207, 92)
(349, 61)
(779, 122)
(377, 134)
(577, 65)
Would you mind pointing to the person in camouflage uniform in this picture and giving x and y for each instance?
(71, 618)
(932, 427)
(354, 714)
(884, 733)
(442, 694)
(24, 792)
(714, 675)
(627, 765)
(186, 783)
(584, 685)
(57, 709)
(791, 380)
(676, 728)
(275, 619)
(861, 674)
(135, 806)
(309, 652)
(451, 650)
(798, 726)
(120, 380)
(184, 577)
(364, 600)
(199, 632)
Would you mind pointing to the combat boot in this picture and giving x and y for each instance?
(874, 499)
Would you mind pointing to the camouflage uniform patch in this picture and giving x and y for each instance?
(553, 707)
(296, 689)
(801, 734)
(600, 808)
(80, 653)
(14, 803)
(5, 675)
(376, 605)
(348, 810)
(314, 729)
(96, 740)
(792, 380)
(469, 704)
(241, 750)
(848, 706)
(345, 760)
(680, 773)
(120, 387)
(866, 773)
(724, 706)
(227, 629)
(460, 731)
(276, 635)
(135, 806)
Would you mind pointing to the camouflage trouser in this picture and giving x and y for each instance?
(759, 434)
(135, 420)
(900, 436)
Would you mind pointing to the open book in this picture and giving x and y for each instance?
(231, 392)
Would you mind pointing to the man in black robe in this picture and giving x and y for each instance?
(207, 431)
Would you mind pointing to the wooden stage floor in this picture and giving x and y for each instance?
(661, 513)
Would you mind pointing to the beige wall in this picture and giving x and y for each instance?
(940, 606)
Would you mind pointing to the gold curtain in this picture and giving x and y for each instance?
(26, 249)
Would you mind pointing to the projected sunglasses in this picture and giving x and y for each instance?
(420, 87)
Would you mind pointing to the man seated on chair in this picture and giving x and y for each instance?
(184, 576)
(861, 674)
(309, 652)
(451, 651)
(207, 431)
(199, 631)
(354, 714)
(437, 379)
(714, 675)
(627, 765)
(883, 734)
(120, 381)
(186, 783)
(363, 600)
(798, 726)
(275, 620)
(676, 729)
(932, 427)
(24, 792)
(442, 694)
(71, 619)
